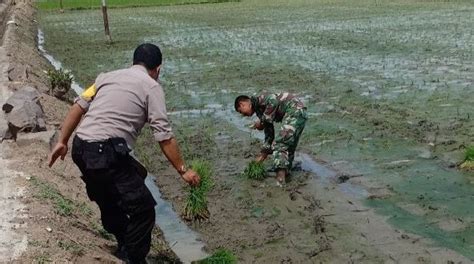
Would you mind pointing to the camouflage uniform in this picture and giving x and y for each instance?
(290, 111)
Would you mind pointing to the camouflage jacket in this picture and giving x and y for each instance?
(271, 108)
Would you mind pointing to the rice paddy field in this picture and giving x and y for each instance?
(389, 87)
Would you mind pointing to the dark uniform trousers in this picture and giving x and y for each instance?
(115, 181)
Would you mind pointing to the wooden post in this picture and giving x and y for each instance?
(61, 9)
(106, 20)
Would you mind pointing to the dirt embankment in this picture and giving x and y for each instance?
(46, 215)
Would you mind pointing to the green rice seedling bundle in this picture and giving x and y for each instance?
(255, 171)
(468, 163)
(196, 203)
(221, 256)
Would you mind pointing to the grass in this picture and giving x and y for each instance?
(255, 171)
(221, 256)
(89, 4)
(62, 205)
(196, 202)
(99, 229)
(72, 247)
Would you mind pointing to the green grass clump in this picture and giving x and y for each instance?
(255, 171)
(62, 205)
(221, 256)
(196, 202)
(468, 163)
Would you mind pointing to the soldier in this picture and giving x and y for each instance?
(271, 108)
(115, 109)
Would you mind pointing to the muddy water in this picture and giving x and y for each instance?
(182, 240)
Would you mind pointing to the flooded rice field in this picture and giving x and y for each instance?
(388, 85)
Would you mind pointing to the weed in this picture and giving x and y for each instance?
(196, 203)
(255, 171)
(43, 258)
(101, 231)
(60, 82)
(62, 205)
(221, 256)
(72, 247)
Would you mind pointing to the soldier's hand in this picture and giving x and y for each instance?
(258, 125)
(261, 157)
(60, 150)
(191, 177)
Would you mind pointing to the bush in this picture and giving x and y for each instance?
(60, 82)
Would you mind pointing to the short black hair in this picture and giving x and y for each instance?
(239, 99)
(148, 55)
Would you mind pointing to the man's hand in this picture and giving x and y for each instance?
(191, 177)
(261, 157)
(258, 125)
(60, 150)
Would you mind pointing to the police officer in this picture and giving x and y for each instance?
(115, 108)
(271, 108)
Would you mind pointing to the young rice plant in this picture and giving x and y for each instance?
(221, 256)
(255, 171)
(468, 163)
(196, 202)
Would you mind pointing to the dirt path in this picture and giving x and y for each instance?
(12, 242)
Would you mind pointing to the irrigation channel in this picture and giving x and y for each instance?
(182, 240)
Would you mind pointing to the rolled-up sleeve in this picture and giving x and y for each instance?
(157, 115)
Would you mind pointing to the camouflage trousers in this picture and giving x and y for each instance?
(286, 141)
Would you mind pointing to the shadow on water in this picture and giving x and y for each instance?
(182, 240)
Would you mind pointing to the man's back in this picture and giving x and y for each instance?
(124, 101)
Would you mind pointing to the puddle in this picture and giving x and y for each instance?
(182, 240)
(56, 64)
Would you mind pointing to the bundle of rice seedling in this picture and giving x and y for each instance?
(221, 256)
(468, 163)
(196, 202)
(255, 171)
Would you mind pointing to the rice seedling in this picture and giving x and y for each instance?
(255, 171)
(196, 202)
(468, 163)
(221, 256)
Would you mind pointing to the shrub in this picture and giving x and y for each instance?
(60, 82)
